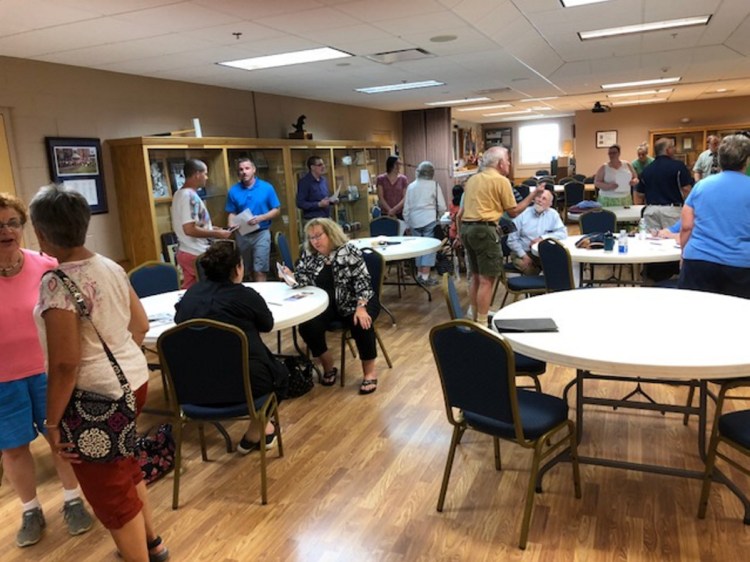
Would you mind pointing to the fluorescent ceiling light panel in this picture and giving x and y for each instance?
(286, 59)
(652, 82)
(485, 107)
(456, 102)
(522, 112)
(641, 93)
(532, 100)
(574, 3)
(643, 27)
(639, 102)
(399, 87)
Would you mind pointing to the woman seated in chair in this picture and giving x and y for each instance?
(222, 297)
(334, 265)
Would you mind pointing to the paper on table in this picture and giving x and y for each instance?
(240, 221)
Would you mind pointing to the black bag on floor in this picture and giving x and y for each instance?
(300, 374)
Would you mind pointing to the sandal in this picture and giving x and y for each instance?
(159, 556)
(328, 378)
(368, 386)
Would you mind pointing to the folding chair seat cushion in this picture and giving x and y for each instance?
(221, 411)
(527, 283)
(539, 413)
(734, 426)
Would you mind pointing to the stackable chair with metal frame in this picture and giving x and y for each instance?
(388, 226)
(482, 395)
(525, 366)
(528, 285)
(557, 266)
(531, 182)
(573, 194)
(376, 268)
(580, 177)
(154, 277)
(733, 430)
(284, 250)
(208, 374)
(600, 220)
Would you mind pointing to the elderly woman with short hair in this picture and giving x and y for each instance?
(76, 359)
(423, 205)
(715, 231)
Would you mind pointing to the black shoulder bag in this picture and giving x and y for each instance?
(102, 429)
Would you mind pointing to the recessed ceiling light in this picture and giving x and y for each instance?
(643, 27)
(639, 102)
(443, 38)
(574, 3)
(720, 90)
(399, 87)
(651, 82)
(641, 93)
(456, 102)
(484, 107)
(286, 59)
(531, 100)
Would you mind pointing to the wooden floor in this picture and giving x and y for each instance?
(360, 478)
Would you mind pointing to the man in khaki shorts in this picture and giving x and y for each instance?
(487, 195)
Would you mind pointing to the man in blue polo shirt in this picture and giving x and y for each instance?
(663, 187)
(259, 198)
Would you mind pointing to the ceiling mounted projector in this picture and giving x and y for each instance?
(599, 108)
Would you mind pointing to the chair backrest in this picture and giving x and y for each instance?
(286, 253)
(451, 297)
(375, 264)
(530, 181)
(574, 193)
(169, 247)
(546, 179)
(588, 179)
(600, 220)
(565, 180)
(523, 189)
(206, 362)
(579, 177)
(557, 266)
(542, 173)
(153, 278)
(384, 226)
(487, 387)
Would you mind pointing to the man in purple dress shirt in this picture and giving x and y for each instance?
(312, 191)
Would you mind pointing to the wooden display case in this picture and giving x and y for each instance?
(691, 141)
(147, 172)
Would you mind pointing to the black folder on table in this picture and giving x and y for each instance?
(525, 325)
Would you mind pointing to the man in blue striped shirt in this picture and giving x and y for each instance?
(535, 223)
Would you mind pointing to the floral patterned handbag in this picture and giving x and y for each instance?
(102, 429)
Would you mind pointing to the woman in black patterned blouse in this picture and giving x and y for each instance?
(332, 264)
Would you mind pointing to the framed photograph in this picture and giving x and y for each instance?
(159, 181)
(687, 143)
(77, 163)
(605, 139)
(176, 173)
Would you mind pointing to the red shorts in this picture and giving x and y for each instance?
(110, 488)
(187, 263)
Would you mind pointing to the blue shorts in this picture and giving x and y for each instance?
(23, 405)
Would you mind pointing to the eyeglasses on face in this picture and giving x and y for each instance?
(314, 237)
(12, 224)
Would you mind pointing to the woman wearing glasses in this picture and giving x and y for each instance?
(332, 264)
(23, 381)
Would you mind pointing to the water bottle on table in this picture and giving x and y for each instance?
(622, 242)
(642, 232)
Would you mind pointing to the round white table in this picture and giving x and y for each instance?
(290, 307)
(650, 250)
(399, 247)
(700, 337)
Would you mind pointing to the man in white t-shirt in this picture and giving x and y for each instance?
(191, 221)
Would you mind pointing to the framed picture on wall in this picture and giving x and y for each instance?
(77, 163)
(605, 139)
(687, 143)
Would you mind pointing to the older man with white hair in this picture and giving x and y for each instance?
(532, 226)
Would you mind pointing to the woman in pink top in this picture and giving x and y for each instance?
(23, 381)
(392, 188)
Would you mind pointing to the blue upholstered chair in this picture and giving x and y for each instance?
(730, 430)
(557, 266)
(525, 366)
(154, 277)
(208, 377)
(481, 395)
(384, 226)
(284, 251)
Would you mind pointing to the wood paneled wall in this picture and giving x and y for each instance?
(427, 136)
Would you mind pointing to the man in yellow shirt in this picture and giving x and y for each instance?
(487, 196)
